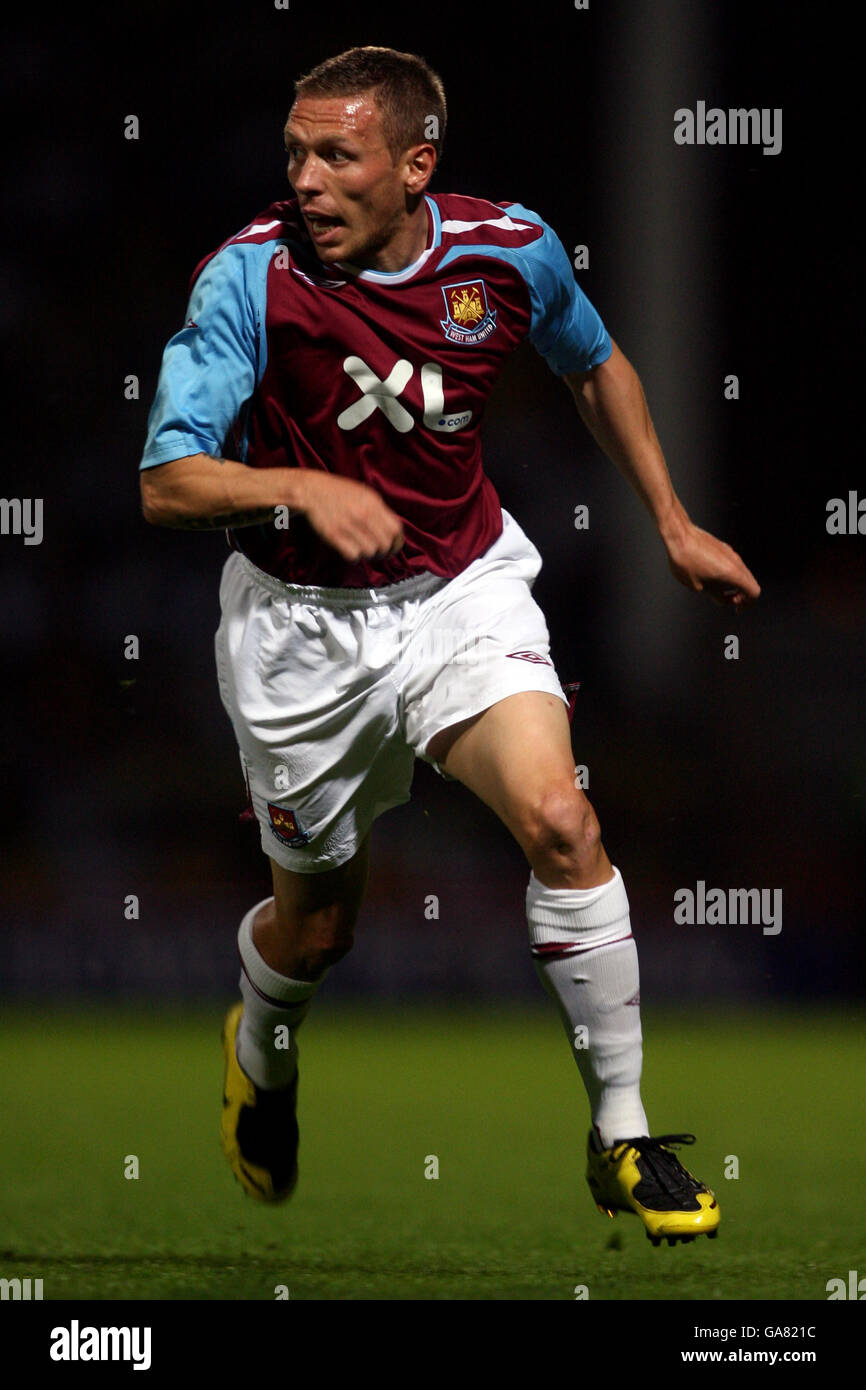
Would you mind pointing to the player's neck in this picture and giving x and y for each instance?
(408, 243)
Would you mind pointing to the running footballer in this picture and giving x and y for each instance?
(323, 402)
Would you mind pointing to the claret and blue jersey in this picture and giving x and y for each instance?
(373, 375)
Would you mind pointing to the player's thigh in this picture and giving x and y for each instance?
(516, 756)
(317, 724)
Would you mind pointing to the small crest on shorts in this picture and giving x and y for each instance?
(531, 656)
(470, 318)
(284, 824)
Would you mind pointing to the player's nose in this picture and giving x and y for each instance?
(306, 177)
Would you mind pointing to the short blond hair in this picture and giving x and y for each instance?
(407, 91)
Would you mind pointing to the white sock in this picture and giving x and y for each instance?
(586, 959)
(272, 1004)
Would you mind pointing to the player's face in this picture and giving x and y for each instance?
(351, 194)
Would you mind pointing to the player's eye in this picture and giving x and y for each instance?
(336, 156)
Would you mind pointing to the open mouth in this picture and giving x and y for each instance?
(321, 227)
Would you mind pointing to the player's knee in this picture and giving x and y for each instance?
(319, 945)
(562, 827)
(319, 952)
(316, 940)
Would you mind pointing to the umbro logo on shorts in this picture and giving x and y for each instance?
(531, 656)
(284, 824)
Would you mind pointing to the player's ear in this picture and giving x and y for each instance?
(420, 161)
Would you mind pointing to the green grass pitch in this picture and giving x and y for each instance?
(493, 1095)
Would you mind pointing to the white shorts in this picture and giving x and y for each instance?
(333, 693)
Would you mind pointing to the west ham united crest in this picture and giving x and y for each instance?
(284, 824)
(470, 318)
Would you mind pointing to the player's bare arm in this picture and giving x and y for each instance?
(201, 492)
(612, 405)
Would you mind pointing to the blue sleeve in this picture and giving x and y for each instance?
(212, 366)
(566, 329)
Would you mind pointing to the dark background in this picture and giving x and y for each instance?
(122, 778)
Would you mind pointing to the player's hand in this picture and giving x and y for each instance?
(704, 564)
(350, 516)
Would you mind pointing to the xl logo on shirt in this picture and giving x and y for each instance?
(383, 395)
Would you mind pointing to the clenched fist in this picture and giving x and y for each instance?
(349, 515)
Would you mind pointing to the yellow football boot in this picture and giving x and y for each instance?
(259, 1129)
(646, 1177)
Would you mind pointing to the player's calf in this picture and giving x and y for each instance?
(310, 924)
(259, 1127)
(287, 944)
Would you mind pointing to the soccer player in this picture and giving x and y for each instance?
(323, 403)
